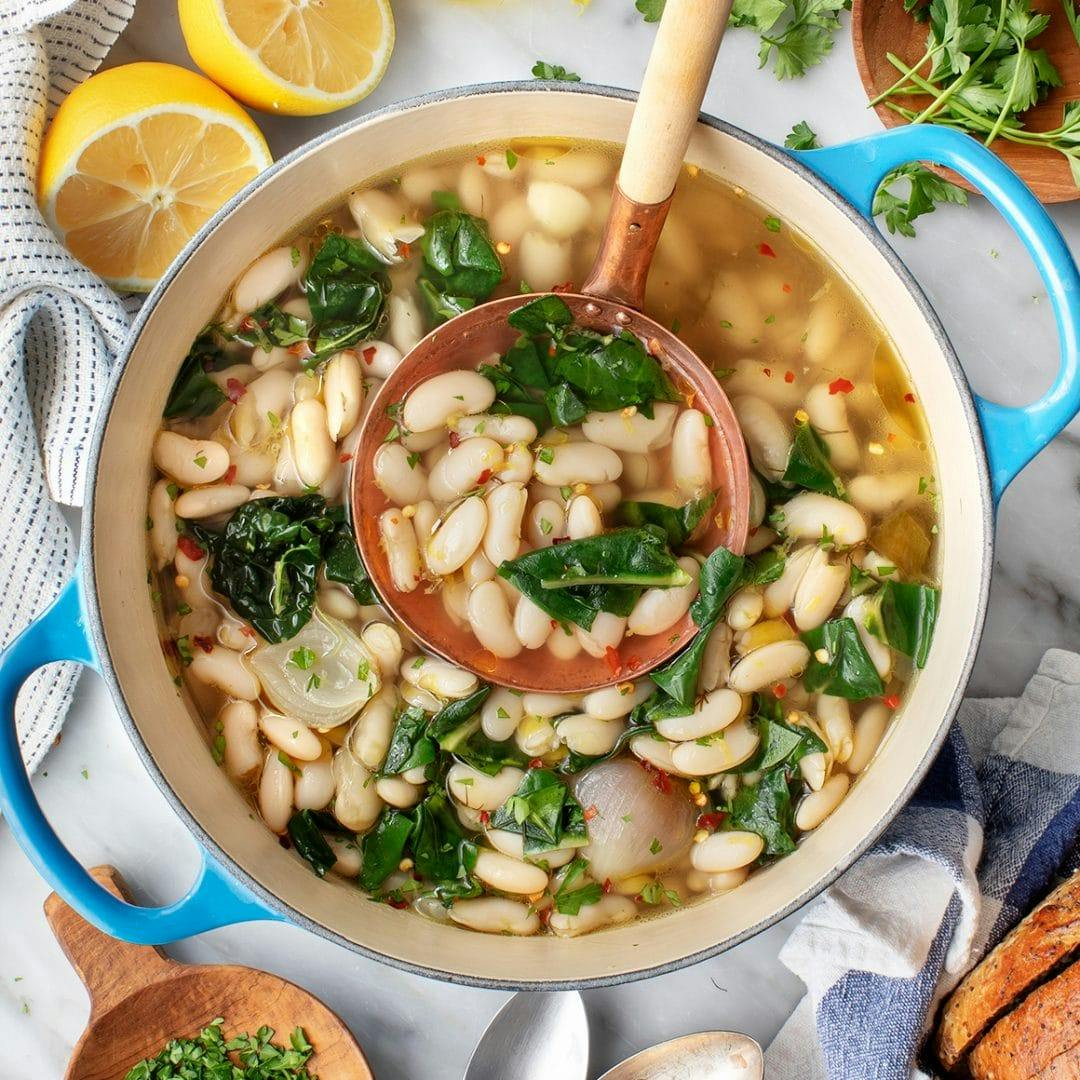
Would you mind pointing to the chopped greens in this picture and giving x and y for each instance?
(808, 464)
(679, 522)
(553, 72)
(410, 745)
(305, 831)
(460, 264)
(193, 392)
(570, 901)
(846, 670)
(544, 813)
(903, 615)
(765, 807)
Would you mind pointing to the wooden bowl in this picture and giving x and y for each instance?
(880, 27)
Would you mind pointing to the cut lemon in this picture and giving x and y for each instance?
(135, 160)
(298, 57)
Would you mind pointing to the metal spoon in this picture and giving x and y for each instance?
(708, 1055)
(534, 1037)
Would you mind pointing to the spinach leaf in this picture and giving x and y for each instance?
(658, 706)
(570, 901)
(343, 563)
(679, 522)
(268, 326)
(460, 266)
(450, 718)
(679, 677)
(808, 464)
(544, 315)
(310, 842)
(383, 847)
(766, 808)
(719, 578)
(410, 745)
(859, 581)
(193, 392)
(563, 605)
(848, 671)
(765, 567)
(543, 811)
(520, 382)
(780, 744)
(487, 756)
(436, 840)
(904, 615)
(564, 406)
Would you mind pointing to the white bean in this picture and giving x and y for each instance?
(381, 220)
(380, 358)
(606, 496)
(496, 915)
(314, 787)
(489, 617)
(615, 702)
(656, 751)
(474, 189)
(770, 664)
(517, 465)
(659, 609)
(418, 184)
(720, 752)
(578, 168)
(531, 623)
(759, 539)
(869, 729)
(422, 699)
(406, 325)
(880, 654)
(779, 595)
(162, 518)
(559, 209)
(509, 875)
(313, 450)
(544, 261)
(723, 851)
(536, 736)
(875, 563)
(826, 325)
(224, 669)
(834, 716)
(577, 463)
(356, 802)
(239, 725)
(716, 661)
(343, 392)
(719, 709)
(394, 791)
(828, 414)
(348, 856)
(478, 570)
(425, 514)
(809, 515)
(584, 734)
(384, 643)
(213, 499)
(275, 792)
(438, 677)
(879, 495)
(267, 278)
(815, 769)
(505, 430)
(457, 539)
(506, 508)
(745, 608)
(402, 552)
(463, 468)
(510, 220)
(583, 518)
(546, 521)
(292, 736)
(630, 430)
(370, 736)
(437, 400)
(190, 461)
(606, 632)
(609, 910)
(818, 805)
(253, 468)
(479, 791)
(563, 644)
(500, 714)
(727, 880)
(768, 437)
(691, 458)
(819, 591)
(540, 704)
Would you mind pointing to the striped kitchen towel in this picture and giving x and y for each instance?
(993, 825)
(59, 328)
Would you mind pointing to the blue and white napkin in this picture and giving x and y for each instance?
(990, 830)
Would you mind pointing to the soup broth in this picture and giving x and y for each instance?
(460, 799)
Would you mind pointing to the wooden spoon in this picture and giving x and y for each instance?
(687, 41)
(139, 999)
(880, 27)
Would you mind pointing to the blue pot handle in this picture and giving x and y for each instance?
(216, 899)
(1013, 436)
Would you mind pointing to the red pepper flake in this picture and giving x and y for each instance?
(566, 286)
(404, 249)
(611, 658)
(767, 372)
(660, 779)
(633, 663)
(369, 354)
(909, 398)
(892, 701)
(786, 287)
(590, 812)
(891, 437)
(841, 386)
(545, 916)
(247, 631)
(397, 904)
(536, 763)
(189, 546)
(789, 376)
(455, 440)
(754, 529)
(247, 323)
(481, 160)
(344, 458)
(560, 540)
(484, 477)
(608, 885)
(168, 647)
(711, 821)
(234, 390)
(230, 474)
(553, 624)
(302, 350)
(767, 251)
(779, 691)
(203, 643)
(551, 349)
(485, 817)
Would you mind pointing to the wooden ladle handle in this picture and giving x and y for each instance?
(110, 969)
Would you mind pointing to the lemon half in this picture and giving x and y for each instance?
(297, 57)
(135, 160)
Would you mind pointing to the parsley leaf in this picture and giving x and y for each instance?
(925, 188)
(802, 137)
(554, 73)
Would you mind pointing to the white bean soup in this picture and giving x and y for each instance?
(549, 508)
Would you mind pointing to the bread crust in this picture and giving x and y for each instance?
(1037, 945)
(1027, 1041)
(1066, 1066)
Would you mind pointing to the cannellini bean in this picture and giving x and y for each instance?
(402, 552)
(656, 751)
(343, 393)
(691, 458)
(406, 325)
(500, 714)
(720, 752)
(462, 469)
(768, 437)
(757, 502)
(630, 430)
(544, 261)
(583, 518)
(875, 563)
(509, 875)
(834, 717)
(866, 738)
(639, 471)
(314, 787)
(313, 450)
(417, 775)
(479, 791)
(162, 517)
(535, 736)
(399, 475)
(425, 514)
(815, 769)
(779, 595)
(394, 791)
(716, 661)
(292, 736)
(819, 590)
(380, 358)
(190, 461)
(828, 414)
(478, 570)
(577, 463)
(370, 736)
(348, 856)
(474, 189)
(606, 496)
(546, 520)
(745, 608)
(659, 609)
(727, 880)
(437, 400)
(496, 915)
(438, 677)
(719, 709)
(615, 702)
(563, 644)
(418, 184)
(510, 220)
(456, 540)
(724, 851)
(275, 792)
(384, 643)
(826, 325)
(239, 724)
(770, 664)
(880, 654)
(517, 465)
(213, 499)
(338, 603)
(267, 278)
(506, 508)
(559, 209)
(580, 169)
(532, 624)
(258, 413)
(584, 734)
(505, 430)
(491, 622)
(878, 495)
(759, 539)
(305, 386)
(253, 467)
(607, 632)
(224, 669)
(818, 805)
(609, 910)
(540, 704)
(381, 219)
(808, 515)
(356, 802)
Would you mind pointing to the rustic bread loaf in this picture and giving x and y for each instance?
(1065, 1066)
(1043, 941)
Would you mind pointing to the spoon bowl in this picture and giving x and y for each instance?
(708, 1055)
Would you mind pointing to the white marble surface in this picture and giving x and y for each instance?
(108, 810)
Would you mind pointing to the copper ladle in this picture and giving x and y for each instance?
(682, 58)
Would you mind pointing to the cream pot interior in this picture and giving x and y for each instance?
(175, 748)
